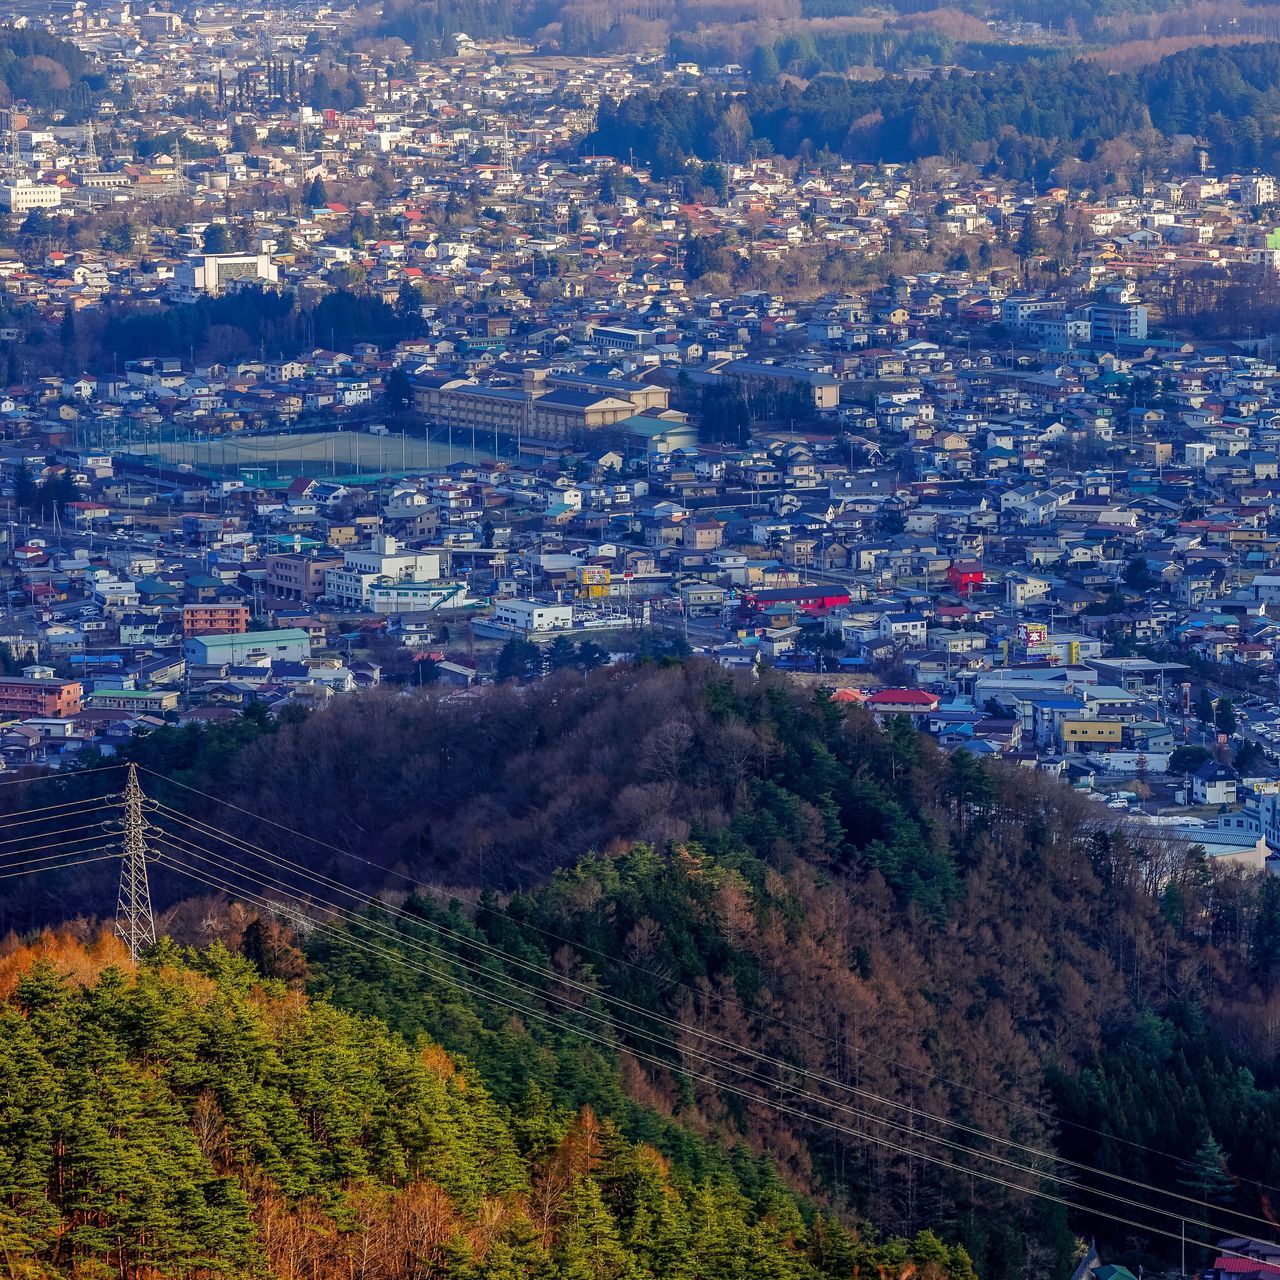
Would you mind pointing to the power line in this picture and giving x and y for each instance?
(20, 817)
(673, 1023)
(62, 831)
(229, 863)
(773, 1019)
(51, 844)
(214, 882)
(69, 776)
(136, 853)
(38, 864)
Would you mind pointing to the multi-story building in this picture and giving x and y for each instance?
(203, 274)
(530, 617)
(562, 414)
(296, 576)
(465, 405)
(39, 696)
(24, 195)
(1118, 322)
(214, 619)
(383, 564)
(757, 375)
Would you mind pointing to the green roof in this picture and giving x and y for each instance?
(642, 424)
(283, 636)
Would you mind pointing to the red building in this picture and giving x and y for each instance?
(31, 696)
(215, 619)
(965, 575)
(815, 600)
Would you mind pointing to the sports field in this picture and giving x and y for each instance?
(341, 454)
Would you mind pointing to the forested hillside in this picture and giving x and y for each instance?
(1027, 120)
(188, 1119)
(655, 855)
(805, 36)
(41, 70)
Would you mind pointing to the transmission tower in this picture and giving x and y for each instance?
(15, 144)
(174, 183)
(135, 925)
(90, 150)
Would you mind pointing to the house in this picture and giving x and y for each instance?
(901, 702)
(906, 629)
(964, 576)
(1214, 784)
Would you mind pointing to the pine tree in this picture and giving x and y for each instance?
(1205, 710)
(1205, 1175)
(24, 487)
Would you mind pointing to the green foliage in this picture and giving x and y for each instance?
(1025, 119)
(41, 69)
(1225, 716)
(398, 391)
(518, 660)
(1154, 1103)
(256, 318)
(776, 869)
(1205, 709)
(317, 196)
(217, 238)
(189, 1119)
(24, 487)
(140, 1115)
(1187, 759)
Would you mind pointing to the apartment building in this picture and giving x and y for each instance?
(28, 696)
(215, 619)
(295, 576)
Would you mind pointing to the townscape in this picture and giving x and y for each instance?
(341, 353)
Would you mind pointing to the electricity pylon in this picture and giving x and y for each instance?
(135, 925)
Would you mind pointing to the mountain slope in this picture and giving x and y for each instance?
(191, 1120)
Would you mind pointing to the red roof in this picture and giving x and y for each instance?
(848, 695)
(896, 697)
(1246, 1266)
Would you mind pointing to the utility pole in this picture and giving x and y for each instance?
(135, 925)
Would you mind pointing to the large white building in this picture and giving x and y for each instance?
(530, 617)
(383, 564)
(203, 274)
(24, 195)
(418, 597)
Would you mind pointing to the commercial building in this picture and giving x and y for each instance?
(530, 617)
(419, 597)
(210, 274)
(291, 644)
(383, 564)
(296, 576)
(24, 195)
